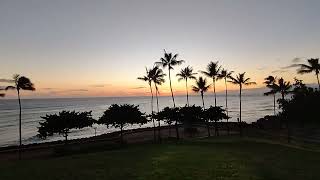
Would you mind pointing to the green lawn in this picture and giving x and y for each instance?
(224, 158)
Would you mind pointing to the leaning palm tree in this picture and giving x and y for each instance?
(148, 78)
(241, 80)
(169, 60)
(185, 74)
(21, 83)
(312, 66)
(225, 74)
(202, 87)
(213, 71)
(157, 79)
(270, 83)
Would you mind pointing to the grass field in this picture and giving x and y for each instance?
(223, 158)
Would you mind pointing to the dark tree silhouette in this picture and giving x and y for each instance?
(283, 87)
(158, 79)
(269, 82)
(202, 87)
(148, 77)
(63, 122)
(226, 75)
(312, 66)
(185, 74)
(189, 116)
(119, 116)
(241, 80)
(169, 115)
(215, 113)
(213, 71)
(169, 61)
(20, 83)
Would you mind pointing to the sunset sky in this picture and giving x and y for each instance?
(78, 48)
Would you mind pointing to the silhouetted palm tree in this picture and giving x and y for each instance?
(148, 78)
(185, 74)
(213, 71)
(283, 87)
(225, 74)
(21, 83)
(241, 80)
(169, 60)
(202, 87)
(269, 82)
(158, 79)
(312, 66)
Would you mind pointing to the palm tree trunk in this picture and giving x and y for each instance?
(121, 133)
(318, 80)
(240, 125)
(274, 104)
(214, 91)
(20, 136)
(187, 92)
(159, 127)
(208, 128)
(174, 104)
(225, 82)
(20, 133)
(154, 125)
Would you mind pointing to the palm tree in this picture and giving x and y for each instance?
(169, 60)
(21, 83)
(269, 82)
(225, 74)
(283, 87)
(157, 79)
(312, 66)
(185, 74)
(241, 80)
(212, 71)
(202, 87)
(148, 78)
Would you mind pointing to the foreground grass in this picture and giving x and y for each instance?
(226, 158)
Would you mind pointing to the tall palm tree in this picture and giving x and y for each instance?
(312, 66)
(202, 87)
(269, 82)
(225, 74)
(213, 71)
(148, 78)
(21, 83)
(169, 61)
(185, 74)
(157, 79)
(241, 80)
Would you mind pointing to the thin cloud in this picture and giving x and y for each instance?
(296, 60)
(100, 85)
(6, 80)
(139, 87)
(279, 71)
(290, 66)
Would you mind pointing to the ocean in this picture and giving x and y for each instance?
(254, 106)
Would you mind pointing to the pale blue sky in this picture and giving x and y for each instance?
(80, 43)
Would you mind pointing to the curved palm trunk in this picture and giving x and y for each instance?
(20, 132)
(154, 125)
(214, 91)
(274, 104)
(159, 125)
(208, 128)
(318, 80)
(240, 125)
(225, 82)
(187, 92)
(174, 104)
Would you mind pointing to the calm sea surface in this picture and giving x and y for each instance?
(254, 107)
